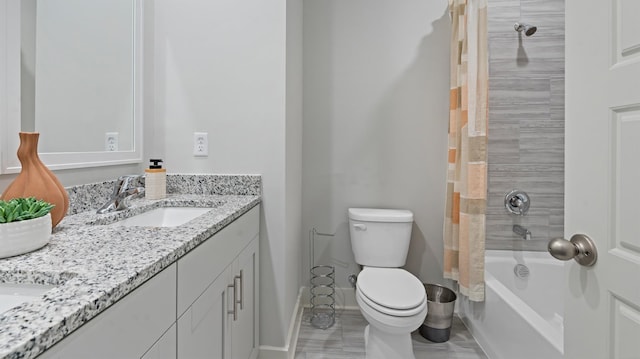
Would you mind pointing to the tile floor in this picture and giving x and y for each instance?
(345, 340)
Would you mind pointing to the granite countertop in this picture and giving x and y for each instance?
(93, 264)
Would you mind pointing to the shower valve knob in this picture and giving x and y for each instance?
(517, 202)
(580, 247)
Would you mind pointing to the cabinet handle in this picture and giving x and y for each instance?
(235, 302)
(241, 302)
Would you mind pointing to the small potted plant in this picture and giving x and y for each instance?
(25, 225)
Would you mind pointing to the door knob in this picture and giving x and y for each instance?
(580, 247)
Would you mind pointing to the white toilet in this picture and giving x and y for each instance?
(391, 299)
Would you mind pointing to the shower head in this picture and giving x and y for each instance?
(526, 28)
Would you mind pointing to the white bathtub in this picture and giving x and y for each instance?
(521, 317)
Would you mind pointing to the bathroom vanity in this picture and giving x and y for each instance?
(214, 288)
(127, 291)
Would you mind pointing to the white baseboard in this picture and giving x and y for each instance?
(289, 351)
(269, 352)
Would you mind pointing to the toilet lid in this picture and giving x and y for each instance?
(380, 215)
(393, 288)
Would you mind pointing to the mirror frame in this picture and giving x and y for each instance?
(10, 48)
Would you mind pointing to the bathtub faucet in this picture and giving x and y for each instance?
(522, 232)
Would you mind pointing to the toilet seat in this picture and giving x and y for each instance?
(391, 291)
(391, 311)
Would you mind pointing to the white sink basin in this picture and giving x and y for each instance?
(12, 294)
(163, 217)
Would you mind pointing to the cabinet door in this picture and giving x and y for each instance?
(203, 330)
(165, 347)
(244, 330)
(200, 267)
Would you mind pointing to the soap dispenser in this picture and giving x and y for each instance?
(155, 180)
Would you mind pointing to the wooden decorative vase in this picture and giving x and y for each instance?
(36, 180)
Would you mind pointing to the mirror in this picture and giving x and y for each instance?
(77, 73)
(76, 68)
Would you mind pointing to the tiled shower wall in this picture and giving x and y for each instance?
(526, 121)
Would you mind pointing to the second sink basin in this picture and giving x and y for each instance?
(163, 217)
(12, 294)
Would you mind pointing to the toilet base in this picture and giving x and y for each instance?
(381, 345)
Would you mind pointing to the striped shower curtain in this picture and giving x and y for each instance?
(464, 227)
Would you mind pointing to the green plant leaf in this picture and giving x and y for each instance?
(21, 209)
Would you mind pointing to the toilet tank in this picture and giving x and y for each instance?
(380, 237)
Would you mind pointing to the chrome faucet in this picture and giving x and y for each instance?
(522, 232)
(517, 202)
(123, 190)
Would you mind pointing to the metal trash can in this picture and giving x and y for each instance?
(440, 304)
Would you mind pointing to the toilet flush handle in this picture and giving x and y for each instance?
(360, 227)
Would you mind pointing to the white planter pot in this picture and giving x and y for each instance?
(24, 236)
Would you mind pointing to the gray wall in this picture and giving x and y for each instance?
(526, 120)
(375, 123)
(229, 68)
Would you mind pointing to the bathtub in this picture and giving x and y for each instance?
(522, 316)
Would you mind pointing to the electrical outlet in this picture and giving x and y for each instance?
(111, 141)
(200, 144)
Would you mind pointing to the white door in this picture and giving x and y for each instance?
(602, 303)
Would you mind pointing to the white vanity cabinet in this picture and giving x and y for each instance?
(128, 328)
(217, 294)
(203, 326)
(203, 306)
(166, 347)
